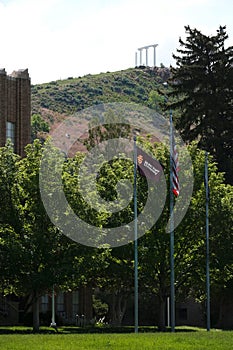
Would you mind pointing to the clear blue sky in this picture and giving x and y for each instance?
(60, 38)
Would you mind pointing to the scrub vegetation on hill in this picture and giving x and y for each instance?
(65, 97)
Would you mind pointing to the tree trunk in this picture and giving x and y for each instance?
(220, 323)
(36, 312)
(117, 309)
(162, 322)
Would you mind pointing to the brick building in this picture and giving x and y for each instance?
(15, 109)
(71, 308)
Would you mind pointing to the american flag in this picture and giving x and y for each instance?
(175, 169)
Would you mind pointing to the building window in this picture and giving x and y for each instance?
(44, 303)
(75, 302)
(60, 302)
(183, 314)
(10, 132)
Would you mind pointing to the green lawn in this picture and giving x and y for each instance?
(200, 340)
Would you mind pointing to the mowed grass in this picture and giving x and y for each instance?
(216, 340)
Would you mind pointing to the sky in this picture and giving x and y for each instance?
(57, 39)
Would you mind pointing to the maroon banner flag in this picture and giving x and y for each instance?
(148, 166)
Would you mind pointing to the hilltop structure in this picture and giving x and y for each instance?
(15, 109)
(145, 48)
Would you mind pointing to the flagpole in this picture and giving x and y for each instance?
(172, 276)
(135, 241)
(207, 246)
(53, 323)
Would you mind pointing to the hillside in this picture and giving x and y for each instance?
(58, 99)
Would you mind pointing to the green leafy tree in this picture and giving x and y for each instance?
(116, 281)
(47, 258)
(38, 125)
(118, 285)
(8, 173)
(10, 258)
(220, 238)
(10, 226)
(113, 282)
(156, 101)
(107, 269)
(189, 249)
(203, 83)
(89, 261)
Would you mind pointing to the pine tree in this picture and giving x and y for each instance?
(203, 83)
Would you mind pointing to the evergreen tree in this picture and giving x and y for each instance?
(203, 82)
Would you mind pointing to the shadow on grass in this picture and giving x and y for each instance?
(25, 330)
(103, 329)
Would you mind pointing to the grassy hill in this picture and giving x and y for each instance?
(61, 98)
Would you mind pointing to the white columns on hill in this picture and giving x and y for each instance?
(146, 48)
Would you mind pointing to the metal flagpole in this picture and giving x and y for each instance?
(168, 311)
(135, 241)
(53, 323)
(207, 246)
(172, 277)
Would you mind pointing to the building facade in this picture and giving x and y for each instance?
(15, 109)
(71, 308)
